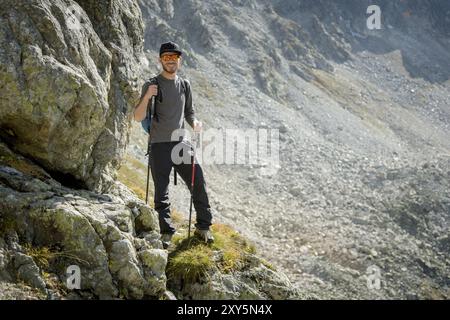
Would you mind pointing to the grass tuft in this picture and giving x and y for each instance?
(191, 259)
(40, 255)
(43, 255)
(190, 264)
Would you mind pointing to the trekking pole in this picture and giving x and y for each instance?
(194, 142)
(151, 108)
(148, 147)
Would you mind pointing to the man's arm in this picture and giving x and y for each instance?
(189, 113)
(140, 111)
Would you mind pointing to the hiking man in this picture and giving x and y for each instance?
(169, 115)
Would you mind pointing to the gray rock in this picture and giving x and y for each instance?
(147, 220)
(124, 265)
(4, 261)
(69, 72)
(28, 271)
(155, 260)
(154, 263)
(168, 295)
(255, 282)
(99, 237)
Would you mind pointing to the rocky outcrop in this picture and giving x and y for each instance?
(68, 74)
(113, 238)
(256, 281)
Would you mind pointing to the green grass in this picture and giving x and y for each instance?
(190, 262)
(40, 255)
(192, 259)
(233, 246)
(133, 174)
(43, 255)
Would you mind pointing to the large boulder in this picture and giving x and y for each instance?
(69, 75)
(46, 228)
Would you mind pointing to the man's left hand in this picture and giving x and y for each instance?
(198, 125)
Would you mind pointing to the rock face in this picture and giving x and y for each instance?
(68, 72)
(257, 281)
(113, 238)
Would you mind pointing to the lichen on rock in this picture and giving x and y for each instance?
(67, 85)
(83, 228)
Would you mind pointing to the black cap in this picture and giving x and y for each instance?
(170, 47)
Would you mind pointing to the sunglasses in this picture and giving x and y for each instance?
(170, 57)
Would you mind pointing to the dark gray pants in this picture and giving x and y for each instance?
(161, 167)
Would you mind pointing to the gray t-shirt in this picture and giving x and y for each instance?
(174, 108)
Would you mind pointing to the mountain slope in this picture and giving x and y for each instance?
(363, 117)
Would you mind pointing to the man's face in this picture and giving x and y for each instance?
(170, 61)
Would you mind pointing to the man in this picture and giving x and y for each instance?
(171, 110)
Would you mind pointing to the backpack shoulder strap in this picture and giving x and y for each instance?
(154, 80)
(185, 85)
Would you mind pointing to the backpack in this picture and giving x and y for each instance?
(147, 122)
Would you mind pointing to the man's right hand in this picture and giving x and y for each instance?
(152, 91)
(141, 108)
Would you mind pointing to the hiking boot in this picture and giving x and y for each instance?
(166, 238)
(204, 235)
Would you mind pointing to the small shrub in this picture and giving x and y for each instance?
(40, 255)
(191, 264)
(191, 259)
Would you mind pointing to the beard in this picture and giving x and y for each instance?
(170, 69)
